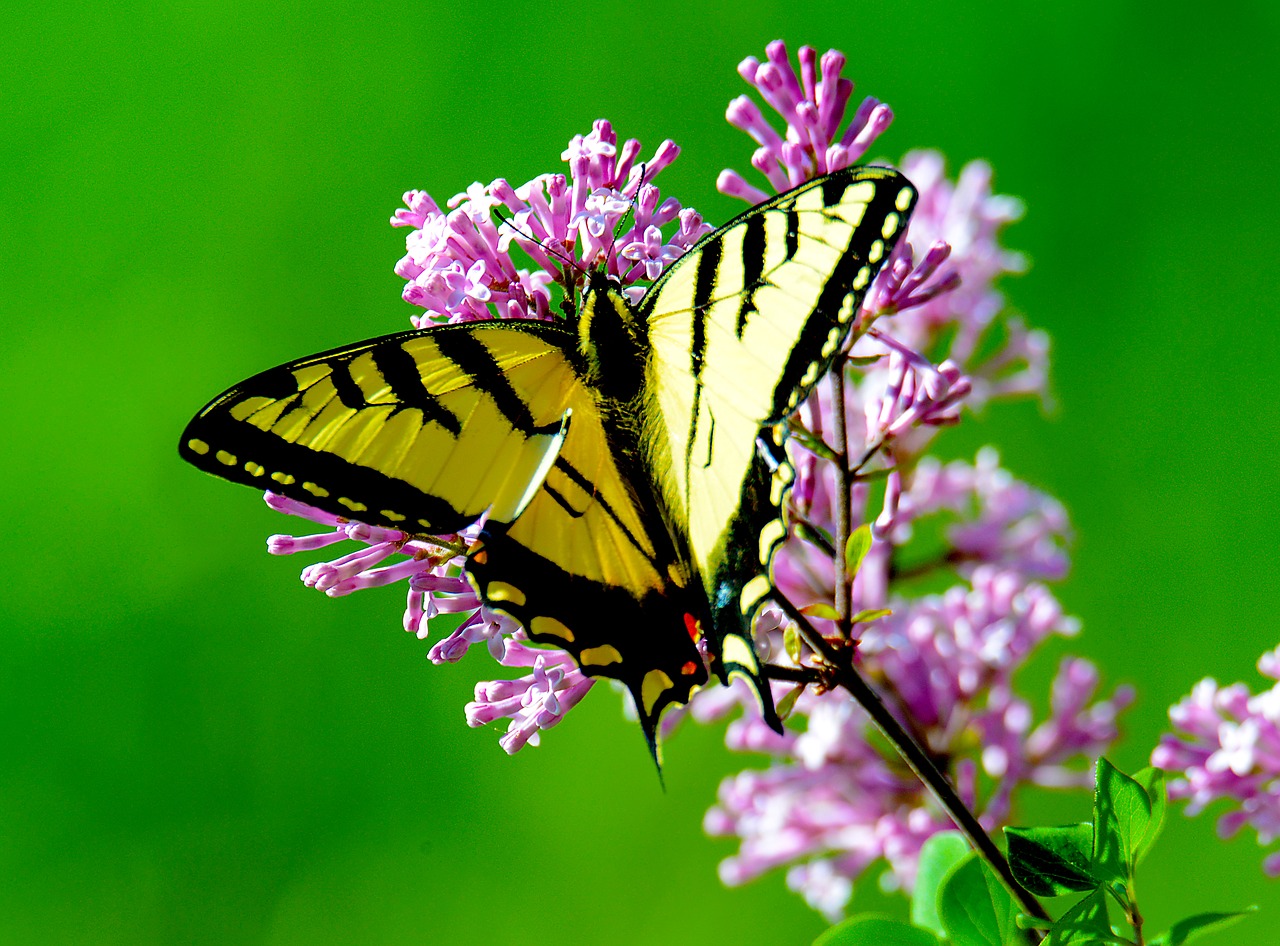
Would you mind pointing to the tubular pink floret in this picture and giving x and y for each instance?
(377, 577)
(288, 544)
(291, 507)
(325, 575)
(732, 184)
(812, 111)
(743, 113)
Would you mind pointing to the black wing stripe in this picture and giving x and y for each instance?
(833, 188)
(474, 358)
(703, 291)
(349, 392)
(327, 471)
(574, 475)
(562, 502)
(400, 370)
(793, 231)
(278, 384)
(753, 248)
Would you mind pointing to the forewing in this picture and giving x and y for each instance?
(421, 431)
(741, 329)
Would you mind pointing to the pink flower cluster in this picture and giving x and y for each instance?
(833, 801)
(1226, 745)
(459, 264)
(813, 110)
(505, 252)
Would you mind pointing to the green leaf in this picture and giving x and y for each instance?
(874, 931)
(811, 443)
(863, 361)
(940, 853)
(1050, 862)
(1122, 814)
(857, 548)
(788, 702)
(1186, 930)
(821, 610)
(871, 614)
(1152, 782)
(815, 536)
(1085, 924)
(975, 909)
(791, 642)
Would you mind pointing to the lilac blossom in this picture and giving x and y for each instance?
(532, 703)
(832, 801)
(943, 274)
(952, 285)
(1226, 746)
(813, 109)
(437, 586)
(1000, 520)
(459, 264)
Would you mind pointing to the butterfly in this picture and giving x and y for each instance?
(629, 463)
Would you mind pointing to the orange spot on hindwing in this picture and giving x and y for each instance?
(694, 627)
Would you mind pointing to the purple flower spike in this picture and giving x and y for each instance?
(812, 109)
(950, 288)
(1000, 521)
(917, 393)
(436, 586)
(459, 265)
(832, 803)
(1226, 745)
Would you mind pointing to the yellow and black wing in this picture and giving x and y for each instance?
(632, 504)
(427, 431)
(740, 329)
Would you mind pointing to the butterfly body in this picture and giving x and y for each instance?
(626, 462)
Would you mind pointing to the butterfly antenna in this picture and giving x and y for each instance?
(568, 264)
(621, 228)
(552, 248)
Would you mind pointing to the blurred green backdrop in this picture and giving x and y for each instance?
(198, 749)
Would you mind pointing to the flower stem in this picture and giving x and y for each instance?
(840, 434)
(840, 663)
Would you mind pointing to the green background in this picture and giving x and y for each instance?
(198, 749)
